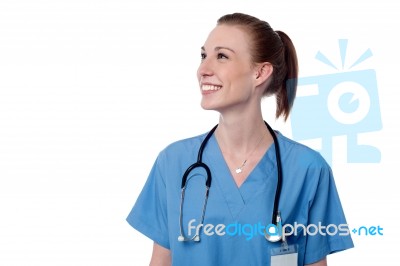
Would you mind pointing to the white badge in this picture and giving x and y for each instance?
(286, 255)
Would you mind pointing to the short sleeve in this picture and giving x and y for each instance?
(149, 214)
(326, 214)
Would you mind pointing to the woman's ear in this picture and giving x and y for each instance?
(263, 73)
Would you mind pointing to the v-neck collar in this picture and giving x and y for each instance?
(261, 177)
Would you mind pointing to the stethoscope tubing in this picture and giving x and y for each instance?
(199, 164)
(278, 190)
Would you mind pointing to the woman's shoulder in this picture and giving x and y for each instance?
(297, 152)
(187, 145)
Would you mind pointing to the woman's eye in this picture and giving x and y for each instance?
(203, 56)
(222, 56)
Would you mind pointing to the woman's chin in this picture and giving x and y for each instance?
(206, 105)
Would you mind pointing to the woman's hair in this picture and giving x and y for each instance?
(276, 48)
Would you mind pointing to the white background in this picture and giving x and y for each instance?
(91, 91)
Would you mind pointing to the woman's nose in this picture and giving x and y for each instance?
(205, 68)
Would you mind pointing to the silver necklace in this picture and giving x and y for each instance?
(240, 168)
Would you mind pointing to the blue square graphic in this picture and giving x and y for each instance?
(345, 103)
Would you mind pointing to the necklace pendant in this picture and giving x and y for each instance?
(238, 170)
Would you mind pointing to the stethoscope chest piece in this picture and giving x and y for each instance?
(277, 235)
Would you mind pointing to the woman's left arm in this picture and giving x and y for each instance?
(322, 262)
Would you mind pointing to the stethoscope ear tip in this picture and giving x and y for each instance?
(181, 238)
(196, 238)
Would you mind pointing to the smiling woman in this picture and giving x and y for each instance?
(227, 68)
(252, 166)
(269, 50)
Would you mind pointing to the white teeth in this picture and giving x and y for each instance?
(210, 88)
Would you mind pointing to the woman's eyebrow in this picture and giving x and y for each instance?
(219, 48)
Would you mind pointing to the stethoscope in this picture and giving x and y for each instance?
(276, 216)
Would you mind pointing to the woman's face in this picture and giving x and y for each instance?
(226, 73)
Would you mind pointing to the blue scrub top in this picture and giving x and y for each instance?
(235, 218)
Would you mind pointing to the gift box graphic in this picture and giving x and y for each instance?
(344, 103)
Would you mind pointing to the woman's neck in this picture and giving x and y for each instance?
(243, 141)
(239, 134)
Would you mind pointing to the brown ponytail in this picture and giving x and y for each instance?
(287, 93)
(275, 48)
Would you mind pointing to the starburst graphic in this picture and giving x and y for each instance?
(343, 52)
